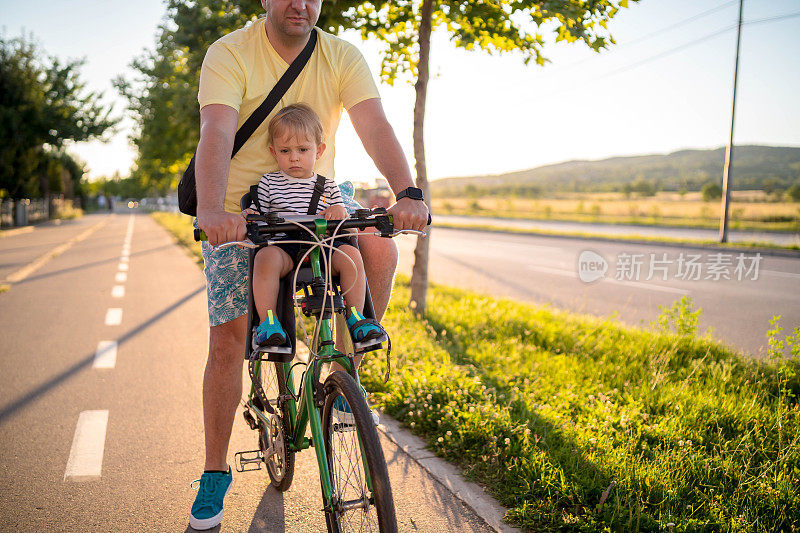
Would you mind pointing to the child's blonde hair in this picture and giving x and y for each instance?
(294, 120)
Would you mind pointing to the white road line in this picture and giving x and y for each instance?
(123, 267)
(126, 250)
(124, 259)
(118, 291)
(121, 277)
(780, 274)
(86, 455)
(29, 269)
(114, 316)
(106, 355)
(639, 284)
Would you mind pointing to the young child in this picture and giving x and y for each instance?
(295, 135)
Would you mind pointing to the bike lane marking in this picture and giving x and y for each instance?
(86, 455)
(37, 263)
(106, 355)
(114, 316)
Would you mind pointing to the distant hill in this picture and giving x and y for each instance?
(755, 167)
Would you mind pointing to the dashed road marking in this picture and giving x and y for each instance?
(29, 269)
(86, 455)
(118, 291)
(123, 267)
(114, 316)
(121, 277)
(124, 259)
(106, 355)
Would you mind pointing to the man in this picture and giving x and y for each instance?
(238, 71)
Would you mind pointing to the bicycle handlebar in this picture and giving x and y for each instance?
(259, 226)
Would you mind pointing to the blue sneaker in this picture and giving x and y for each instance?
(207, 509)
(365, 332)
(343, 413)
(270, 332)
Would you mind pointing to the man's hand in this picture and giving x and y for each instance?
(334, 212)
(221, 226)
(409, 214)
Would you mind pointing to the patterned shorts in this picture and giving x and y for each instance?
(226, 273)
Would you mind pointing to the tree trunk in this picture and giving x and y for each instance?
(419, 274)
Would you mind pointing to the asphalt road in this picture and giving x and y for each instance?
(111, 442)
(545, 270)
(663, 232)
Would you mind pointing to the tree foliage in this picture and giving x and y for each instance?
(162, 95)
(495, 27)
(711, 191)
(43, 104)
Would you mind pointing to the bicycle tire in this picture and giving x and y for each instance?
(280, 466)
(346, 467)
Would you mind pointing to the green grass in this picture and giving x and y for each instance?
(582, 424)
(578, 424)
(638, 238)
(790, 226)
(180, 226)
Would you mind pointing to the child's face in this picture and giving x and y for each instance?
(295, 154)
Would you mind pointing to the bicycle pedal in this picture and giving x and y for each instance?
(370, 345)
(282, 349)
(248, 461)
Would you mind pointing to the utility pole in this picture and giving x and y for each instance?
(726, 174)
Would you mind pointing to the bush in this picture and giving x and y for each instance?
(711, 191)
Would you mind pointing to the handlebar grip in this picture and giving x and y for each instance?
(199, 235)
(429, 219)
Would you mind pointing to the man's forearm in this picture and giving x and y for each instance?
(380, 142)
(212, 164)
(385, 150)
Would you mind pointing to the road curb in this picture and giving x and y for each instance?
(776, 252)
(471, 494)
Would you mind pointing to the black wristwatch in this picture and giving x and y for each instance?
(411, 192)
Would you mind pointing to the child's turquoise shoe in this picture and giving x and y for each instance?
(270, 332)
(365, 331)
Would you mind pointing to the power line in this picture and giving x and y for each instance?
(667, 52)
(652, 34)
(772, 19)
(678, 24)
(691, 43)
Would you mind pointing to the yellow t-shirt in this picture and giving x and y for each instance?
(241, 68)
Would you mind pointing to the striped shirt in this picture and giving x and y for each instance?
(286, 195)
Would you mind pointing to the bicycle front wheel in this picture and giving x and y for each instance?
(362, 496)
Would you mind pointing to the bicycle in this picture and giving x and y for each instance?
(356, 491)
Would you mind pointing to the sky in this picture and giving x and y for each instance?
(666, 85)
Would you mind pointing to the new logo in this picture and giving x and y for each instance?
(591, 266)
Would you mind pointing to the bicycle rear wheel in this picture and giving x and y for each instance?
(273, 438)
(351, 441)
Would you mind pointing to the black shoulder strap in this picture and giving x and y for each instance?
(319, 188)
(254, 198)
(259, 115)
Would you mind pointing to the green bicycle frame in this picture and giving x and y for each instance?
(304, 412)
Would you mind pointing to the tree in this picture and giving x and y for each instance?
(43, 104)
(162, 99)
(711, 191)
(499, 26)
(793, 192)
